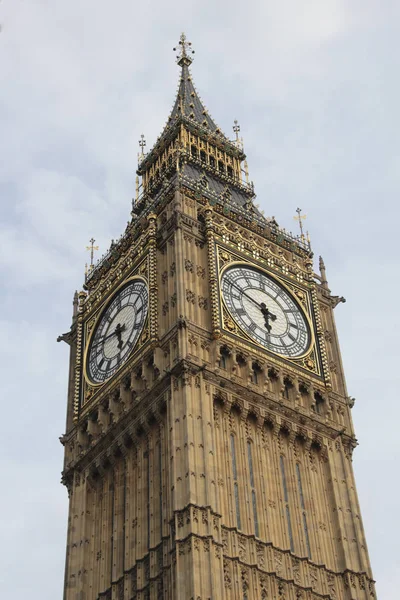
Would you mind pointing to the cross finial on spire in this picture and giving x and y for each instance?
(92, 248)
(299, 219)
(185, 50)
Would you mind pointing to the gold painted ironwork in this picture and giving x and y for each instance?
(299, 219)
(92, 249)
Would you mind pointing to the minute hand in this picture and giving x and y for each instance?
(101, 340)
(247, 296)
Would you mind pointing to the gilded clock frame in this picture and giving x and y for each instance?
(301, 292)
(91, 308)
(290, 293)
(94, 321)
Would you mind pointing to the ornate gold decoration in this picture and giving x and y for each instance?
(215, 312)
(152, 270)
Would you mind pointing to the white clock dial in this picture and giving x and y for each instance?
(266, 311)
(117, 331)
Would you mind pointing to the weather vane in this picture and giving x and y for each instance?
(299, 219)
(185, 50)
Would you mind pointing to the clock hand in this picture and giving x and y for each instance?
(267, 316)
(116, 332)
(244, 294)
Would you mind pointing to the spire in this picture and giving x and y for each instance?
(322, 270)
(188, 103)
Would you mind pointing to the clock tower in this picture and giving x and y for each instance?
(209, 439)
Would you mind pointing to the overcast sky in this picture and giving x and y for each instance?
(315, 88)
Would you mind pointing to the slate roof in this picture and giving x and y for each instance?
(189, 104)
(219, 188)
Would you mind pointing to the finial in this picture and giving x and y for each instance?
(246, 171)
(324, 281)
(75, 304)
(92, 248)
(185, 49)
(142, 144)
(137, 189)
(236, 129)
(299, 219)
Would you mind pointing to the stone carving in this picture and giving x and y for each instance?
(190, 296)
(260, 556)
(296, 570)
(242, 545)
(203, 302)
(278, 562)
(201, 272)
(331, 585)
(263, 587)
(188, 265)
(313, 577)
(227, 575)
(224, 537)
(245, 579)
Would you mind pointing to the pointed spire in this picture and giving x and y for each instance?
(324, 281)
(188, 103)
(75, 304)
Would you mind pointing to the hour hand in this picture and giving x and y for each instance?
(267, 316)
(118, 332)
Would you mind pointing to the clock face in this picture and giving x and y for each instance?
(117, 331)
(265, 311)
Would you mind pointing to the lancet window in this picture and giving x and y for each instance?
(252, 489)
(235, 482)
(286, 503)
(303, 509)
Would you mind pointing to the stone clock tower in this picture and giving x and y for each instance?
(209, 440)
